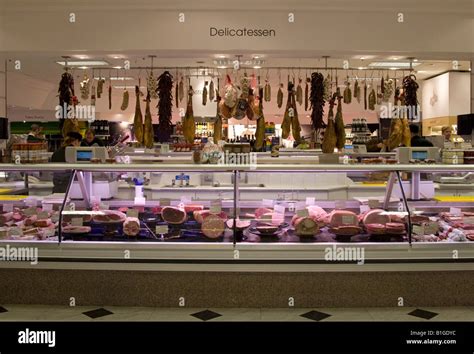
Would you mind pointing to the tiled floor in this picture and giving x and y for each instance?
(115, 313)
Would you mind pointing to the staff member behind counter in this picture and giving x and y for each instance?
(416, 139)
(61, 179)
(91, 139)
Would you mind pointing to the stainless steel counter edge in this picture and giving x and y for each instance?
(221, 168)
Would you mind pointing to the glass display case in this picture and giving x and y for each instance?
(241, 205)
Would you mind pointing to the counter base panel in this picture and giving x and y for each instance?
(233, 289)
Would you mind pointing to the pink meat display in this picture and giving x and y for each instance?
(173, 215)
(193, 207)
(375, 216)
(200, 215)
(76, 229)
(239, 224)
(345, 230)
(131, 226)
(305, 226)
(109, 216)
(213, 226)
(337, 218)
(260, 212)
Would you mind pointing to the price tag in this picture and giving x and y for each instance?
(48, 207)
(455, 211)
(132, 213)
(310, 201)
(348, 219)
(267, 203)
(468, 220)
(165, 148)
(161, 229)
(418, 229)
(302, 213)
(185, 200)
(76, 221)
(280, 209)
(340, 204)
(431, 227)
(291, 207)
(345, 160)
(364, 208)
(7, 207)
(165, 202)
(401, 207)
(55, 217)
(30, 211)
(16, 231)
(216, 207)
(374, 204)
(277, 218)
(43, 215)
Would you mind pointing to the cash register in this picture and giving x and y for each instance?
(85, 154)
(406, 155)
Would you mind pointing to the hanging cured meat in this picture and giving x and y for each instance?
(148, 126)
(212, 91)
(387, 90)
(317, 100)
(152, 85)
(251, 105)
(260, 132)
(410, 88)
(399, 133)
(299, 93)
(218, 124)
(347, 93)
(66, 94)
(357, 91)
(365, 95)
(327, 88)
(165, 106)
(85, 87)
(306, 94)
(181, 89)
(290, 120)
(280, 96)
(125, 99)
(204, 94)
(330, 137)
(372, 100)
(230, 99)
(268, 91)
(242, 104)
(100, 87)
(189, 128)
(339, 125)
(138, 119)
(110, 94)
(176, 93)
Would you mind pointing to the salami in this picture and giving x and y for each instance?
(213, 226)
(173, 215)
(200, 215)
(306, 226)
(131, 226)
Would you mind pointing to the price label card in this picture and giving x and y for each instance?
(16, 231)
(401, 207)
(374, 204)
(161, 229)
(418, 229)
(185, 200)
(364, 208)
(216, 207)
(280, 209)
(76, 221)
(8, 207)
(267, 203)
(468, 220)
(165, 202)
(348, 219)
(30, 211)
(302, 213)
(340, 204)
(431, 227)
(291, 207)
(43, 215)
(48, 207)
(165, 148)
(132, 213)
(310, 201)
(31, 202)
(455, 211)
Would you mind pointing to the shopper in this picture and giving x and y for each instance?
(34, 135)
(447, 131)
(416, 139)
(91, 139)
(61, 179)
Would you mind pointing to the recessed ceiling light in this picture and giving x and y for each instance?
(83, 67)
(415, 60)
(117, 67)
(393, 68)
(222, 67)
(119, 78)
(84, 63)
(82, 57)
(361, 68)
(257, 67)
(116, 57)
(392, 64)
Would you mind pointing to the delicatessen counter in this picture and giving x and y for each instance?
(259, 222)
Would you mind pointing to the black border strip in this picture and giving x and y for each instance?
(248, 261)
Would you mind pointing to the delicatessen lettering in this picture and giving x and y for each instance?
(241, 32)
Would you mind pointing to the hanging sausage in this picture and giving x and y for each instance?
(290, 119)
(218, 123)
(165, 106)
(339, 125)
(306, 94)
(268, 91)
(125, 98)
(138, 118)
(204, 93)
(181, 89)
(330, 137)
(212, 92)
(317, 100)
(110, 94)
(260, 132)
(148, 126)
(299, 93)
(189, 127)
(280, 96)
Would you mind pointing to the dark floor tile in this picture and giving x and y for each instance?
(98, 313)
(427, 315)
(315, 315)
(206, 315)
